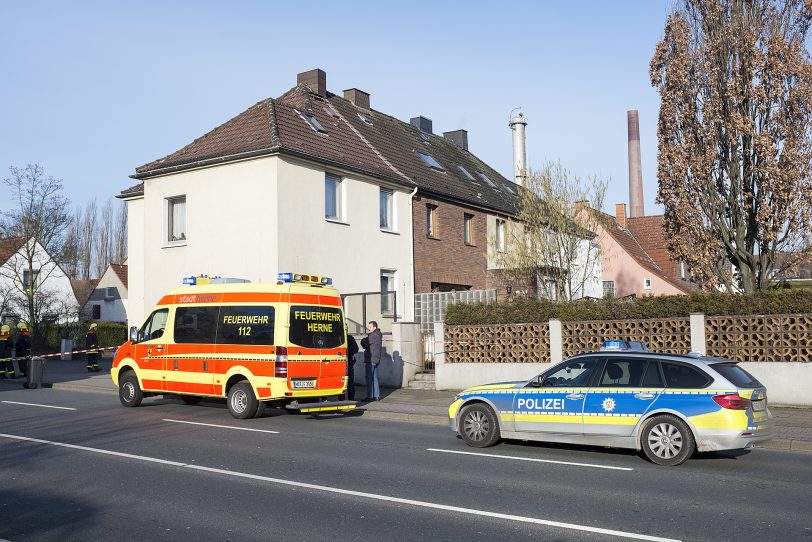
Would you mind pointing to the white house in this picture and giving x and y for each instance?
(56, 300)
(108, 300)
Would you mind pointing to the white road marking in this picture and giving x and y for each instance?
(224, 426)
(35, 404)
(516, 458)
(373, 496)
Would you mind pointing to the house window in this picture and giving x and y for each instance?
(96, 312)
(27, 278)
(312, 121)
(176, 219)
(387, 292)
(430, 161)
(608, 288)
(387, 219)
(647, 283)
(333, 197)
(500, 235)
(431, 220)
(468, 229)
(110, 293)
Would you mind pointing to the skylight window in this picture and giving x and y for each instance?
(465, 173)
(330, 110)
(365, 118)
(509, 189)
(430, 161)
(312, 121)
(487, 179)
(424, 137)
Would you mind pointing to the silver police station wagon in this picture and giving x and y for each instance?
(667, 405)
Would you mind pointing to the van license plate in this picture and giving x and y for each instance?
(304, 384)
(759, 405)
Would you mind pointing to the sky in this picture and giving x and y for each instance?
(92, 90)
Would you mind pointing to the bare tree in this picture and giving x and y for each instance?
(38, 220)
(551, 247)
(120, 241)
(70, 252)
(735, 137)
(103, 239)
(87, 230)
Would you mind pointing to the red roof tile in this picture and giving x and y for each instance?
(121, 272)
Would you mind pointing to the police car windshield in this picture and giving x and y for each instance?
(737, 376)
(316, 327)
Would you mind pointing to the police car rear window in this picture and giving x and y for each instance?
(678, 375)
(737, 376)
(316, 327)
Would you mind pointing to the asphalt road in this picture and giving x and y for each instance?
(93, 470)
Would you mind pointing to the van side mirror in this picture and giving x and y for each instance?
(133, 334)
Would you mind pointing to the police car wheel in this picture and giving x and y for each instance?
(241, 401)
(667, 441)
(129, 392)
(478, 426)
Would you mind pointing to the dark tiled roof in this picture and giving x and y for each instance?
(387, 149)
(137, 190)
(121, 272)
(626, 238)
(82, 288)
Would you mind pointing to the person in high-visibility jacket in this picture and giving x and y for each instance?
(6, 353)
(23, 345)
(92, 346)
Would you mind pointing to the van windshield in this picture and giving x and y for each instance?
(316, 327)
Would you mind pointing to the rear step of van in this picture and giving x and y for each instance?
(324, 406)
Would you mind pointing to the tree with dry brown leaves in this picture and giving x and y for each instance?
(735, 137)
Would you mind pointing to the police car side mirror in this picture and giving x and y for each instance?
(133, 334)
(535, 383)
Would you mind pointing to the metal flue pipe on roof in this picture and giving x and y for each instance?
(518, 124)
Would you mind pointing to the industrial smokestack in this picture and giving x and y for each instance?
(518, 123)
(635, 167)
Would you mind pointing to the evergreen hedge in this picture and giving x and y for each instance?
(709, 303)
(109, 333)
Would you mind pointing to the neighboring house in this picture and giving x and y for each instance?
(318, 183)
(108, 300)
(55, 297)
(82, 288)
(634, 259)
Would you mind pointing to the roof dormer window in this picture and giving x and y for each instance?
(430, 161)
(312, 121)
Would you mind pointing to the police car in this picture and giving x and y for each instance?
(623, 396)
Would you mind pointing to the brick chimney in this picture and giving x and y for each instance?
(620, 214)
(316, 81)
(459, 137)
(357, 97)
(422, 123)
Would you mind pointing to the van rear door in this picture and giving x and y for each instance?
(316, 353)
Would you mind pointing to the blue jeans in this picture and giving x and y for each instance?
(373, 388)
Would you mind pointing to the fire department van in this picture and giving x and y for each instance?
(281, 344)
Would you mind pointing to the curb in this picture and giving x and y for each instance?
(403, 417)
(68, 386)
(786, 445)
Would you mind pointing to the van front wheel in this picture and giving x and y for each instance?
(129, 392)
(242, 404)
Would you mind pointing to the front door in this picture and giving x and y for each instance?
(554, 401)
(626, 390)
(150, 349)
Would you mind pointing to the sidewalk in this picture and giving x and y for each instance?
(793, 425)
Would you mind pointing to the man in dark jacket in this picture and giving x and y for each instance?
(23, 345)
(352, 349)
(6, 353)
(372, 360)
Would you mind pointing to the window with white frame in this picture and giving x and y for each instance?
(500, 235)
(333, 197)
(468, 228)
(387, 292)
(608, 288)
(431, 220)
(110, 292)
(387, 209)
(176, 219)
(647, 283)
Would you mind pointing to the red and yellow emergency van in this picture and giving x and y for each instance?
(281, 344)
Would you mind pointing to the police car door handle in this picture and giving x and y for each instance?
(643, 395)
(575, 396)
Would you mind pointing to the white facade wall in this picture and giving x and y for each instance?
(255, 218)
(53, 282)
(112, 310)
